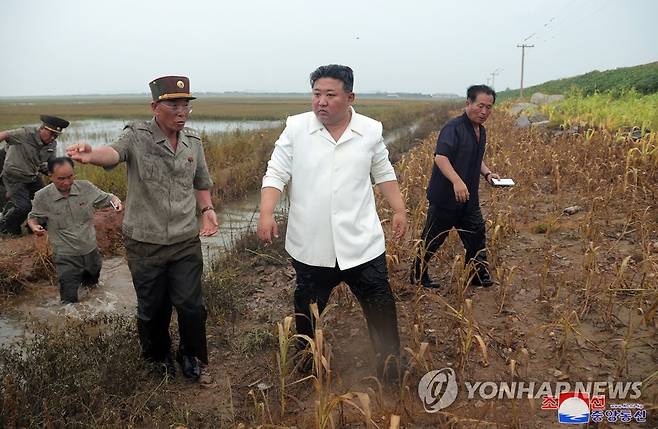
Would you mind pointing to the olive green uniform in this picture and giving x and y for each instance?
(26, 157)
(70, 224)
(162, 235)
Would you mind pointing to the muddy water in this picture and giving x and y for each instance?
(41, 304)
(115, 293)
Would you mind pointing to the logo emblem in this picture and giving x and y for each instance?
(573, 408)
(438, 389)
(180, 84)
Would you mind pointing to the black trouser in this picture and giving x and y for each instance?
(470, 227)
(19, 204)
(369, 283)
(166, 275)
(74, 271)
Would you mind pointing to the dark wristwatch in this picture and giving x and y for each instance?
(206, 208)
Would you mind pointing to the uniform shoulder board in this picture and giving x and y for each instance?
(137, 125)
(191, 132)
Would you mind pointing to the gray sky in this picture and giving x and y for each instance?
(116, 46)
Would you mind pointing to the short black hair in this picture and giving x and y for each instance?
(54, 162)
(335, 71)
(473, 91)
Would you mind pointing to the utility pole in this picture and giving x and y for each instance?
(493, 77)
(523, 46)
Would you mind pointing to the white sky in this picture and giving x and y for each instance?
(117, 46)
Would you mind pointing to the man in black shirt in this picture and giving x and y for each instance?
(453, 189)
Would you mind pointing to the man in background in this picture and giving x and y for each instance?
(27, 153)
(453, 191)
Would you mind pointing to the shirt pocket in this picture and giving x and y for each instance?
(149, 168)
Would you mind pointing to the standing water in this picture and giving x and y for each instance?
(99, 132)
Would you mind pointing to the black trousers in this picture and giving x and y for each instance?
(19, 203)
(74, 271)
(369, 283)
(166, 276)
(470, 227)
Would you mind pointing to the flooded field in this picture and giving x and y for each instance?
(98, 132)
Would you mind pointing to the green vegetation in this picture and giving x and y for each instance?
(642, 78)
(606, 110)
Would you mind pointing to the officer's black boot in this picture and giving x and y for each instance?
(193, 347)
(156, 347)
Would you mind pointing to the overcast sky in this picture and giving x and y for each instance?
(116, 46)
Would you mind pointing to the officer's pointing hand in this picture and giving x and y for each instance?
(80, 152)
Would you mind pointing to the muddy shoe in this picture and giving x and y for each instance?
(425, 280)
(189, 366)
(482, 279)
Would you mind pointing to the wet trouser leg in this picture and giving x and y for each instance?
(471, 230)
(314, 284)
(93, 262)
(69, 272)
(148, 268)
(20, 203)
(437, 226)
(184, 272)
(369, 283)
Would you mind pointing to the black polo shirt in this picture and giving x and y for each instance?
(458, 143)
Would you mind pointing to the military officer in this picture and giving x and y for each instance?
(167, 178)
(27, 153)
(66, 208)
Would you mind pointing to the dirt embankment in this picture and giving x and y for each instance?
(29, 258)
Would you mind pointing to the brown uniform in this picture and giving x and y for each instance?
(70, 224)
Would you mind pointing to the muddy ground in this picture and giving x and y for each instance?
(535, 323)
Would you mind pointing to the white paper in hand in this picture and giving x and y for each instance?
(502, 182)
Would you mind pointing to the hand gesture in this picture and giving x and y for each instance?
(80, 152)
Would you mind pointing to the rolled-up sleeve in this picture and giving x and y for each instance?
(381, 169)
(279, 167)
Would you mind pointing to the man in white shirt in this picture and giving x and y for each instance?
(328, 157)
